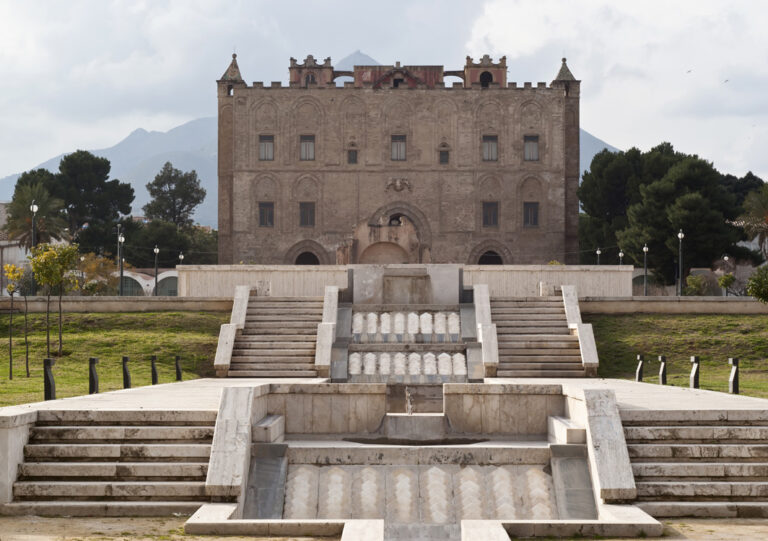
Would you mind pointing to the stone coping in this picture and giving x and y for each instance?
(502, 388)
(328, 388)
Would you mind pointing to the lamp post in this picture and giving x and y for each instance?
(82, 272)
(33, 209)
(621, 256)
(181, 258)
(725, 267)
(120, 241)
(157, 251)
(645, 270)
(680, 237)
(598, 252)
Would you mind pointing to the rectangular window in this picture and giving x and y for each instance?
(531, 148)
(307, 143)
(444, 156)
(530, 214)
(351, 156)
(398, 148)
(490, 148)
(266, 214)
(266, 147)
(490, 213)
(307, 214)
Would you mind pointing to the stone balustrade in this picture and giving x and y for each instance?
(407, 364)
(406, 327)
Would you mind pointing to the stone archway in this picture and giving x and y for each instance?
(381, 253)
(307, 247)
(399, 223)
(490, 252)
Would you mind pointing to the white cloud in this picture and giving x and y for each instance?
(651, 70)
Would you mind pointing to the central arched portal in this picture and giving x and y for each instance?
(381, 253)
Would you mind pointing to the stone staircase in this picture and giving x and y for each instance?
(102, 463)
(705, 468)
(278, 340)
(534, 339)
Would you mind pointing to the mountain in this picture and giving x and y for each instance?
(589, 146)
(355, 59)
(140, 156)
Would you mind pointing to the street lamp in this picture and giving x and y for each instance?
(621, 256)
(645, 270)
(680, 237)
(598, 252)
(725, 268)
(181, 258)
(157, 251)
(82, 272)
(120, 241)
(34, 208)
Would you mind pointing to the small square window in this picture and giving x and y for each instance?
(490, 213)
(443, 156)
(307, 214)
(266, 214)
(531, 214)
(351, 156)
(531, 143)
(266, 147)
(490, 148)
(398, 148)
(307, 143)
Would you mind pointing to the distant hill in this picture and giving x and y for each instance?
(589, 145)
(140, 156)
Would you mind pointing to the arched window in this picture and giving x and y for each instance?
(309, 79)
(490, 258)
(396, 220)
(307, 258)
(486, 79)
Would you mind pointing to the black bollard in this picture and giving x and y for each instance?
(126, 374)
(694, 379)
(733, 380)
(639, 371)
(49, 384)
(153, 361)
(662, 370)
(178, 368)
(93, 377)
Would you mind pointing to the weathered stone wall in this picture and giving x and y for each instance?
(442, 201)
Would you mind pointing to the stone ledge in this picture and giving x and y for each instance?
(328, 388)
(502, 388)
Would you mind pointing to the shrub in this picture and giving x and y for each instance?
(726, 281)
(757, 285)
(696, 285)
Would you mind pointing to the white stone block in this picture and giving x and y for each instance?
(459, 364)
(430, 364)
(399, 323)
(369, 364)
(414, 364)
(444, 364)
(357, 323)
(355, 364)
(441, 323)
(385, 364)
(454, 323)
(399, 364)
(425, 323)
(372, 323)
(413, 323)
(385, 323)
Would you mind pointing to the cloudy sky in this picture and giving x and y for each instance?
(85, 73)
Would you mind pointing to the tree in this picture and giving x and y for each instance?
(97, 275)
(757, 285)
(49, 223)
(53, 265)
(175, 195)
(13, 273)
(198, 244)
(755, 217)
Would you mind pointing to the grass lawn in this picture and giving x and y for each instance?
(714, 338)
(108, 336)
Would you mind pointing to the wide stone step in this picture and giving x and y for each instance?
(118, 490)
(101, 508)
(700, 469)
(260, 345)
(271, 366)
(531, 310)
(267, 298)
(261, 330)
(191, 434)
(275, 338)
(126, 417)
(503, 323)
(182, 452)
(496, 306)
(512, 332)
(705, 509)
(515, 338)
(272, 326)
(719, 434)
(688, 451)
(272, 373)
(702, 489)
(261, 309)
(279, 352)
(538, 298)
(527, 352)
(539, 373)
(509, 316)
(542, 359)
(263, 318)
(540, 366)
(105, 470)
(240, 359)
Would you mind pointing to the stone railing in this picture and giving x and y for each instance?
(486, 330)
(587, 346)
(524, 280)
(228, 331)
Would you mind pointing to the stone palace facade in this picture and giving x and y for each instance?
(398, 166)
